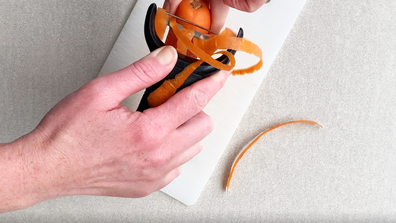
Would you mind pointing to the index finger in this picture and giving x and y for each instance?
(171, 5)
(219, 12)
(189, 101)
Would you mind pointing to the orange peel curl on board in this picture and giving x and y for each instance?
(244, 150)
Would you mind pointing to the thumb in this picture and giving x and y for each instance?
(149, 70)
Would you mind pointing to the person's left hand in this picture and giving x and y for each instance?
(89, 144)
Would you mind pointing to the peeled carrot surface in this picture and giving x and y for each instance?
(202, 49)
(195, 11)
(255, 141)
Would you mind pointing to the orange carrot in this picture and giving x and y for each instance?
(195, 11)
(256, 139)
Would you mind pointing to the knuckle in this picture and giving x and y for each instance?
(153, 135)
(93, 92)
(98, 90)
(159, 160)
(144, 71)
(152, 132)
(199, 97)
(153, 177)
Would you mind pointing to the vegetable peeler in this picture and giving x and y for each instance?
(154, 42)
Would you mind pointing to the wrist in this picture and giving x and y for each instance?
(27, 173)
(49, 172)
(12, 196)
(54, 165)
(16, 178)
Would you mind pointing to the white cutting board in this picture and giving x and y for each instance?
(268, 27)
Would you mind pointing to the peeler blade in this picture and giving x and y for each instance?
(196, 33)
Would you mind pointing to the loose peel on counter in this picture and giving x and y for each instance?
(244, 150)
(202, 49)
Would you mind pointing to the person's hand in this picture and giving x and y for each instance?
(90, 144)
(219, 9)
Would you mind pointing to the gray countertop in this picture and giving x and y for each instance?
(337, 66)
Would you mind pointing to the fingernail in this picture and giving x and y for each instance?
(165, 55)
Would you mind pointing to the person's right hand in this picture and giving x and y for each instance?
(90, 144)
(219, 9)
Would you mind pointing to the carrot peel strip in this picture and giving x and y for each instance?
(224, 41)
(169, 87)
(160, 22)
(203, 49)
(255, 141)
(181, 36)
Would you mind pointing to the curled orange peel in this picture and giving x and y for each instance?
(182, 36)
(240, 155)
(202, 49)
(169, 87)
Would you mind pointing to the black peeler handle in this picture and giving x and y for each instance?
(154, 42)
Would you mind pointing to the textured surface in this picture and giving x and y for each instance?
(337, 66)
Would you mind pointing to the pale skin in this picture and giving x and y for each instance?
(89, 144)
